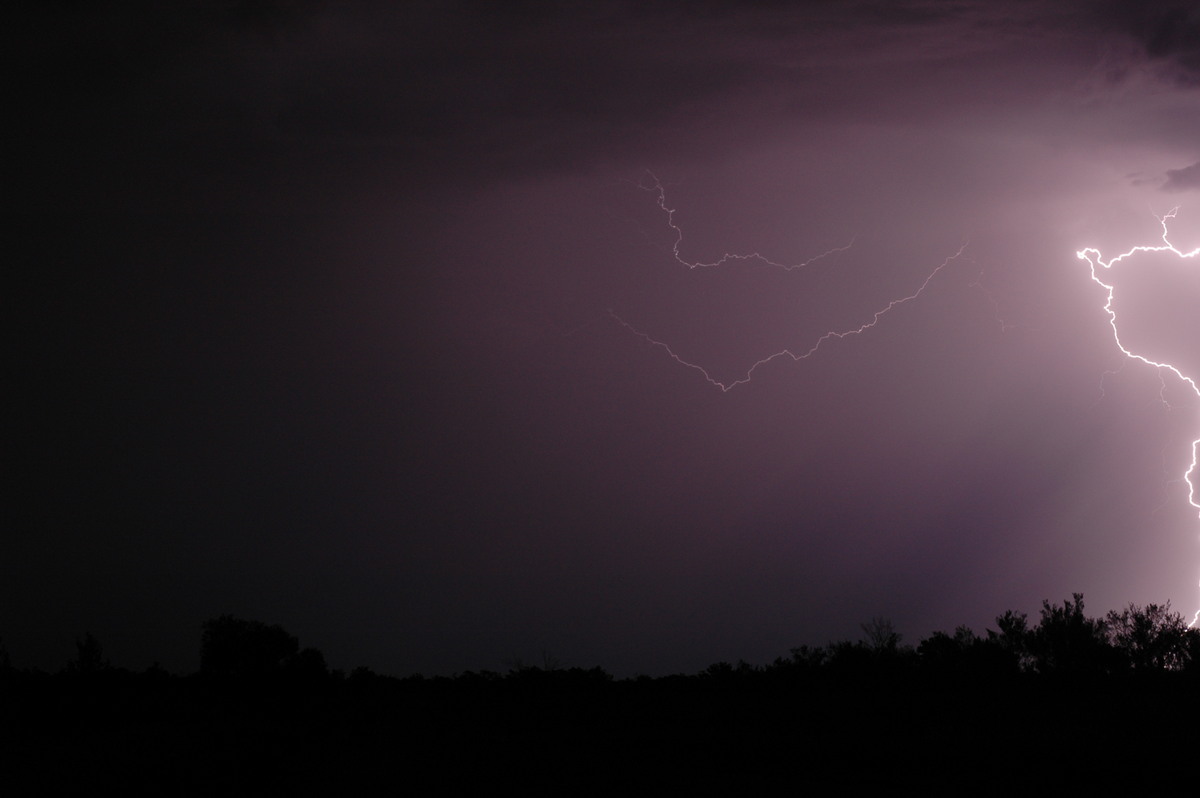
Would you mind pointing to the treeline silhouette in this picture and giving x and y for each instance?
(1060, 703)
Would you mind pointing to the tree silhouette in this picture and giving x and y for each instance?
(881, 635)
(967, 654)
(943, 650)
(307, 665)
(1012, 637)
(1192, 645)
(806, 658)
(234, 647)
(1150, 637)
(1067, 641)
(89, 656)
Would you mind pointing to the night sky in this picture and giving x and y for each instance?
(316, 308)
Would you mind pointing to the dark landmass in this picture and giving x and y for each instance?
(1066, 706)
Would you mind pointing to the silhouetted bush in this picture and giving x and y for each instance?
(233, 647)
(1066, 641)
(1149, 638)
(1012, 637)
(307, 665)
(89, 657)
(881, 635)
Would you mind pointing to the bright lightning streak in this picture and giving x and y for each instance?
(1092, 256)
(795, 355)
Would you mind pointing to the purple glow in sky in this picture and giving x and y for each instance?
(324, 318)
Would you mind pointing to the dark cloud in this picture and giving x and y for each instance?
(277, 91)
(244, 103)
(280, 91)
(1185, 179)
(1167, 30)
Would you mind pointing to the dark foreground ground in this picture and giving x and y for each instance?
(578, 732)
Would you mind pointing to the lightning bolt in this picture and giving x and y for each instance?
(1097, 264)
(657, 188)
(796, 356)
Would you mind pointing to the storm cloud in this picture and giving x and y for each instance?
(316, 319)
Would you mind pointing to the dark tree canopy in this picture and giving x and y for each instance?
(881, 635)
(1151, 637)
(231, 646)
(89, 656)
(1067, 641)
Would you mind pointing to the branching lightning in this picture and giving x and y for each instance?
(796, 355)
(657, 188)
(1097, 265)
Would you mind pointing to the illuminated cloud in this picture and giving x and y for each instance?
(1185, 179)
